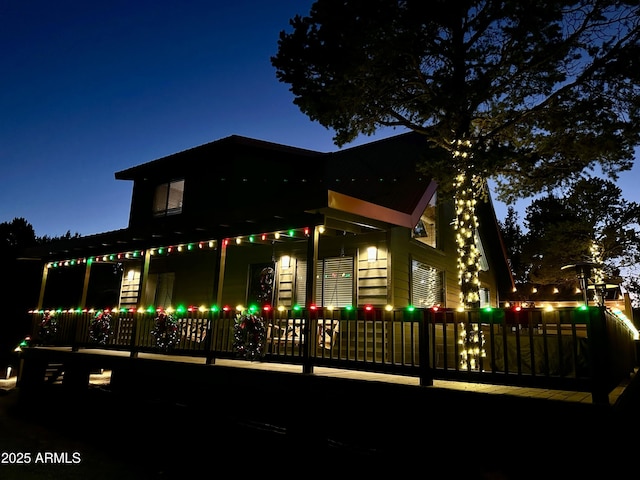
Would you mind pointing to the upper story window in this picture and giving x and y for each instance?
(167, 199)
(426, 230)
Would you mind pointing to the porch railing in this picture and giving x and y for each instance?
(583, 349)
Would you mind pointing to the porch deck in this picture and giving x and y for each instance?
(104, 378)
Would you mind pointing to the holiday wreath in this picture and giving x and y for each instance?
(165, 331)
(48, 327)
(100, 328)
(248, 336)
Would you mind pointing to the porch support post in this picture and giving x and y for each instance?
(144, 277)
(312, 270)
(142, 292)
(218, 280)
(85, 286)
(45, 272)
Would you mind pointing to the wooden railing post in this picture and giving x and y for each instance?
(74, 330)
(134, 333)
(210, 358)
(600, 355)
(426, 373)
(307, 361)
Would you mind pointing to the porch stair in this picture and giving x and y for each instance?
(53, 372)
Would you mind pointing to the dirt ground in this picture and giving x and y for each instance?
(104, 435)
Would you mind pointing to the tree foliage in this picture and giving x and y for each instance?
(543, 90)
(513, 238)
(21, 292)
(531, 93)
(563, 228)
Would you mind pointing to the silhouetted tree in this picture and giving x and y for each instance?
(513, 238)
(589, 222)
(18, 287)
(530, 93)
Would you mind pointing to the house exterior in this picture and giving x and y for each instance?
(335, 248)
(239, 222)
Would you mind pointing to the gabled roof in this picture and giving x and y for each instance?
(233, 156)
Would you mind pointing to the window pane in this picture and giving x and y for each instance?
(337, 288)
(427, 286)
(176, 190)
(160, 198)
(426, 229)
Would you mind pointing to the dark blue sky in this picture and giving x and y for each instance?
(88, 88)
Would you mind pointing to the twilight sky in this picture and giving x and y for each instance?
(88, 88)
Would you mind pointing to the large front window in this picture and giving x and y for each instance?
(168, 198)
(427, 285)
(334, 282)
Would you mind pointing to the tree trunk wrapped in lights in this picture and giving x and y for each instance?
(471, 343)
(467, 189)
